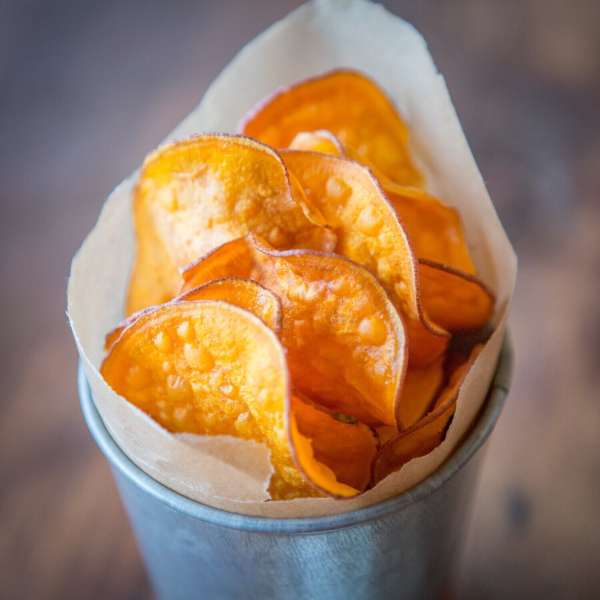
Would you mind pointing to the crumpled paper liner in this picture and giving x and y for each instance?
(222, 471)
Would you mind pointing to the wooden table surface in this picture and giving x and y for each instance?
(86, 89)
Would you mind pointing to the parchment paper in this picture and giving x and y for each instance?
(232, 474)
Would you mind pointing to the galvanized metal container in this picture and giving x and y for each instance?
(404, 547)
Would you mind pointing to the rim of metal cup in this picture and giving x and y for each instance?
(472, 442)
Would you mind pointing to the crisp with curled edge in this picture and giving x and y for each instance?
(429, 431)
(208, 367)
(196, 194)
(369, 233)
(350, 106)
(239, 292)
(344, 338)
(303, 294)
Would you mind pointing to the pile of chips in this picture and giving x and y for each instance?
(297, 286)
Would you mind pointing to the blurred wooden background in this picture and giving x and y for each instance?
(87, 88)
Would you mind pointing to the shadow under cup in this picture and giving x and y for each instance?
(403, 547)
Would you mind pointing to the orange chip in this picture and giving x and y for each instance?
(350, 106)
(385, 433)
(194, 195)
(369, 233)
(243, 293)
(313, 214)
(112, 336)
(435, 230)
(345, 340)
(430, 431)
(239, 292)
(318, 141)
(154, 277)
(457, 301)
(233, 259)
(210, 368)
(418, 392)
(335, 452)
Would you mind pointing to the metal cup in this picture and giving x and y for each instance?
(404, 547)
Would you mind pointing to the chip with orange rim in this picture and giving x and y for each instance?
(418, 392)
(335, 451)
(196, 194)
(369, 233)
(345, 340)
(208, 367)
(434, 229)
(429, 431)
(244, 293)
(457, 301)
(350, 106)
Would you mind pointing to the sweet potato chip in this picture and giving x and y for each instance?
(240, 292)
(194, 195)
(457, 301)
(313, 214)
(112, 336)
(430, 431)
(232, 259)
(314, 141)
(208, 368)
(435, 230)
(154, 278)
(318, 141)
(370, 234)
(418, 392)
(335, 452)
(345, 340)
(385, 433)
(350, 106)
(243, 293)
